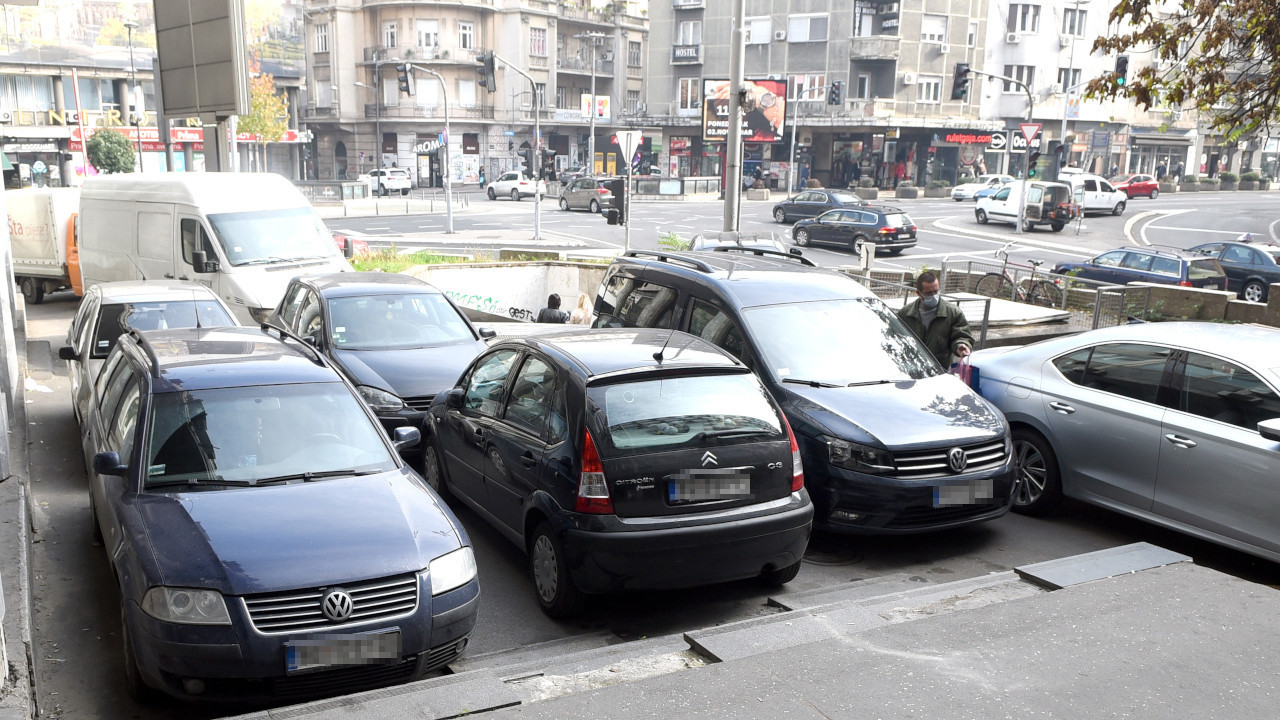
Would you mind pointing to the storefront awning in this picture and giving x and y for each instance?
(1179, 140)
(5, 162)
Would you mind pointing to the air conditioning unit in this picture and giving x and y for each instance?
(1056, 89)
(804, 140)
(909, 78)
(944, 48)
(607, 56)
(1013, 38)
(779, 34)
(6, 116)
(1064, 40)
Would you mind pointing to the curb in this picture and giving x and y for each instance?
(17, 692)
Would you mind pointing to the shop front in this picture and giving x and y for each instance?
(1149, 149)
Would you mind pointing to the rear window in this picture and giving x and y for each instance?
(1203, 269)
(684, 412)
(116, 319)
(898, 220)
(845, 198)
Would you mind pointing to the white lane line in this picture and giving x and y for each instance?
(378, 227)
(1271, 229)
(1002, 239)
(1198, 230)
(1131, 222)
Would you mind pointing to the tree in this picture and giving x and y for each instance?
(1218, 58)
(268, 117)
(110, 151)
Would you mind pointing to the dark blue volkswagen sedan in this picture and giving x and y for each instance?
(268, 540)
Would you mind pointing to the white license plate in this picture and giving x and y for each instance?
(972, 492)
(700, 486)
(324, 651)
(1211, 286)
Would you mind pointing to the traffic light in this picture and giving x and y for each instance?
(486, 71)
(837, 91)
(526, 159)
(617, 212)
(402, 75)
(960, 84)
(1033, 157)
(1122, 69)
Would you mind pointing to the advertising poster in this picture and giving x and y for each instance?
(763, 110)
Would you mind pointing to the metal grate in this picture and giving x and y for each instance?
(925, 516)
(422, 404)
(933, 462)
(445, 654)
(300, 610)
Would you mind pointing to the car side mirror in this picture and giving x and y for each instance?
(795, 251)
(201, 263)
(1270, 429)
(108, 463)
(313, 339)
(348, 248)
(487, 333)
(405, 437)
(453, 399)
(66, 352)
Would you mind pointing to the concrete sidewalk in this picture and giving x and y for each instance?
(1128, 636)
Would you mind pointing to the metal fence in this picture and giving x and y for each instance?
(894, 288)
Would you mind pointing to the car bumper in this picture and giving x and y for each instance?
(850, 502)
(895, 243)
(238, 663)
(606, 555)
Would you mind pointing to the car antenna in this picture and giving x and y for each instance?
(195, 305)
(658, 355)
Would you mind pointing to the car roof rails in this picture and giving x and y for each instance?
(285, 334)
(763, 252)
(677, 258)
(150, 351)
(1160, 247)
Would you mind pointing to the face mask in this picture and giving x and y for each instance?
(929, 301)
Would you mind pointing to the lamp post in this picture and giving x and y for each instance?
(377, 114)
(444, 148)
(1068, 86)
(133, 84)
(595, 38)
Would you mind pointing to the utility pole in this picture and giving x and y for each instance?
(377, 116)
(1068, 86)
(537, 142)
(795, 120)
(733, 138)
(595, 38)
(133, 93)
(444, 148)
(1022, 204)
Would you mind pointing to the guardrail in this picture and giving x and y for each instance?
(892, 287)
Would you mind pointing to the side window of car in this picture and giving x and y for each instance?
(125, 422)
(1223, 391)
(1003, 194)
(1090, 185)
(292, 302)
(104, 376)
(1137, 261)
(1166, 265)
(194, 238)
(649, 305)
(483, 391)
(531, 395)
(615, 293)
(1126, 369)
(1035, 195)
(1111, 259)
(1211, 250)
(1072, 365)
(1237, 254)
(115, 388)
(714, 325)
(1106, 186)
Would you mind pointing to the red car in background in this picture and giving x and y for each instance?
(358, 246)
(1135, 185)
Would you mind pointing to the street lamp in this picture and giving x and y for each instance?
(377, 114)
(1068, 86)
(595, 38)
(133, 84)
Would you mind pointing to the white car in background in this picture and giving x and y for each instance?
(967, 190)
(388, 180)
(515, 185)
(1096, 193)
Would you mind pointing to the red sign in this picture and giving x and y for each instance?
(679, 143)
(150, 137)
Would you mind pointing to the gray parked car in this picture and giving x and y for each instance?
(1174, 423)
(586, 193)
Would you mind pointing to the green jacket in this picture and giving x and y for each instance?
(948, 330)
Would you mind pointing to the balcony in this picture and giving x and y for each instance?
(411, 112)
(575, 12)
(413, 53)
(879, 108)
(686, 54)
(874, 47)
(579, 65)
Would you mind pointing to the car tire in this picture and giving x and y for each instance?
(492, 195)
(515, 195)
(33, 290)
(404, 192)
(552, 584)
(780, 215)
(1118, 209)
(981, 215)
(1039, 487)
(564, 204)
(594, 206)
(133, 682)
(1254, 291)
(801, 237)
(1028, 226)
(781, 576)
(857, 243)
(383, 191)
(1154, 194)
(433, 469)
(1057, 227)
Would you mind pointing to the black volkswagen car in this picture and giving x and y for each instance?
(1251, 267)
(890, 229)
(621, 460)
(814, 202)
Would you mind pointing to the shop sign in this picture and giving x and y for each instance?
(999, 141)
(763, 110)
(967, 138)
(31, 147)
(679, 143)
(470, 143)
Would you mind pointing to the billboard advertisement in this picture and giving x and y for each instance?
(763, 110)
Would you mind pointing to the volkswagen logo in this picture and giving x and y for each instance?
(337, 605)
(957, 459)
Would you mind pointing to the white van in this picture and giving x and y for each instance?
(245, 235)
(1096, 193)
(1047, 203)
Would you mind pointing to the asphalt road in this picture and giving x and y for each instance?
(76, 614)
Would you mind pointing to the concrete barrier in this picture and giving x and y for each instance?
(512, 291)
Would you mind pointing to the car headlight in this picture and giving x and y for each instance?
(379, 399)
(187, 606)
(452, 570)
(260, 315)
(861, 458)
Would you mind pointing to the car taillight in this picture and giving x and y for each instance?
(593, 492)
(797, 467)
(1185, 283)
(603, 191)
(888, 230)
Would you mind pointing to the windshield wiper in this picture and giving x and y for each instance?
(264, 261)
(810, 383)
(869, 382)
(193, 482)
(740, 432)
(309, 475)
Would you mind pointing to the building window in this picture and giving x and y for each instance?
(864, 18)
(538, 42)
(541, 90)
(759, 30)
(930, 89)
(426, 92)
(466, 93)
(972, 39)
(633, 101)
(689, 32)
(1073, 22)
(389, 33)
(933, 28)
(1024, 73)
(863, 89)
(807, 87)
(428, 33)
(807, 28)
(1068, 78)
(322, 37)
(635, 57)
(690, 95)
(1024, 18)
(561, 97)
(467, 35)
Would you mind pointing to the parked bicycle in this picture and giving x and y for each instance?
(1037, 291)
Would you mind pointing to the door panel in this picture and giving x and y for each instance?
(465, 430)
(516, 452)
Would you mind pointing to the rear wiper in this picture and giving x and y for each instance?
(740, 432)
(810, 383)
(310, 475)
(869, 382)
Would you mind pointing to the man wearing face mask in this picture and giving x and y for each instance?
(939, 324)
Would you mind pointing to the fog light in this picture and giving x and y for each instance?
(845, 516)
(193, 686)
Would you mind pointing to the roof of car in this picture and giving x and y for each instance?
(752, 280)
(127, 291)
(366, 283)
(196, 359)
(1166, 251)
(618, 350)
(1256, 345)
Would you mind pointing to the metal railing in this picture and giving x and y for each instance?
(894, 290)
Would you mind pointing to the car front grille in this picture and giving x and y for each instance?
(300, 610)
(923, 516)
(932, 463)
(341, 681)
(419, 403)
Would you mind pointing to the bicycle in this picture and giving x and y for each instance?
(1043, 292)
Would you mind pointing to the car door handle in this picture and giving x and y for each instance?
(528, 460)
(183, 277)
(479, 431)
(1063, 408)
(1182, 442)
(168, 276)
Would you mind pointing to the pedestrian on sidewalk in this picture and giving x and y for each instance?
(482, 180)
(552, 312)
(1161, 171)
(1177, 173)
(582, 314)
(939, 324)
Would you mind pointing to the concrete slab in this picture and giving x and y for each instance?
(445, 697)
(1077, 569)
(1004, 313)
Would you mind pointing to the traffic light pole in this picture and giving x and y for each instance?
(537, 142)
(795, 127)
(1022, 204)
(444, 147)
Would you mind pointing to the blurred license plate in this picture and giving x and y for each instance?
(702, 485)
(330, 650)
(1211, 286)
(973, 492)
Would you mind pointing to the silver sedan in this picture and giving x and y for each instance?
(1174, 423)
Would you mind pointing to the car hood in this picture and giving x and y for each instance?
(252, 540)
(899, 415)
(417, 372)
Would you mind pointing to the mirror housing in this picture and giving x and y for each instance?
(453, 399)
(405, 437)
(201, 263)
(795, 251)
(66, 352)
(348, 248)
(487, 333)
(1270, 429)
(108, 463)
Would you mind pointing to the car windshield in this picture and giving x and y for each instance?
(249, 435)
(845, 198)
(117, 318)
(685, 411)
(267, 236)
(395, 322)
(838, 342)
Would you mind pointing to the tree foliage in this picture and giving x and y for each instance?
(110, 151)
(268, 116)
(1219, 57)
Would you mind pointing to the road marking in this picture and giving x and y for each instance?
(1134, 220)
(1002, 239)
(1199, 230)
(1271, 229)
